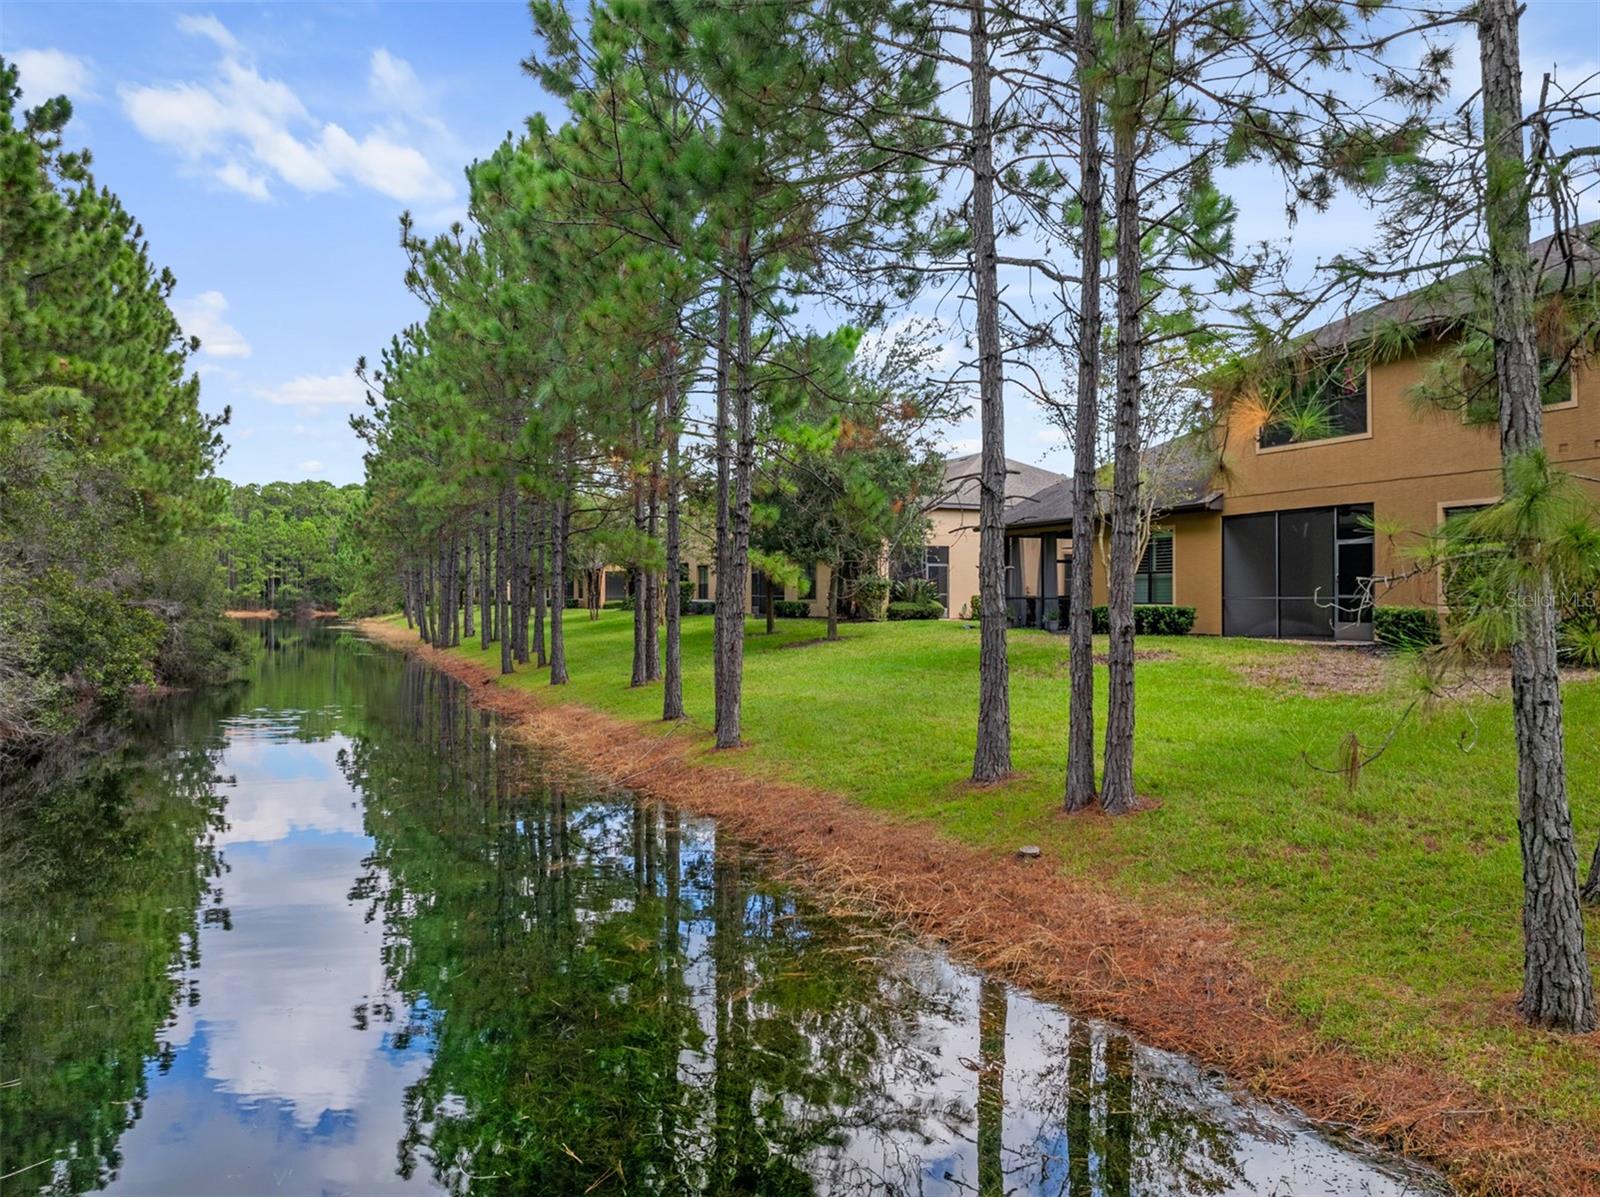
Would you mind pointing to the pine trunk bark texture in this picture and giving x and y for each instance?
(991, 760)
(1080, 791)
(502, 588)
(1116, 793)
(559, 518)
(652, 580)
(672, 679)
(724, 616)
(1557, 988)
(541, 581)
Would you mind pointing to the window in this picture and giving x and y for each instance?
(762, 589)
(1329, 400)
(808, 582)
(1458, 576)
(1153, 581)
(702, 583)
(937, 570)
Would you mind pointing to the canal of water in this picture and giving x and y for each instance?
(328, 932)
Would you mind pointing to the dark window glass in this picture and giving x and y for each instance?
(1250, 556)
(616, 585)
(1354, 562)
(938, 571)
(760, 589)
(1250, 617)
(1153, 581)
(702, 586)
(1327, 401)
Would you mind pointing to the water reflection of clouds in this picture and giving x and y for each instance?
(286, 786)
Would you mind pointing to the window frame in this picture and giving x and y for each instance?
(1341, 439)
(1151, 574)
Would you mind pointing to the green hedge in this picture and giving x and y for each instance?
(1405, 627)
(791, 608)
(1149, 619)
(934, 610)
(700, 607)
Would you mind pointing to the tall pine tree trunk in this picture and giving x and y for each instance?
(636, 569)
(728, 618)
(1116, 794)
(672, 679)
(469, 594)
(485, 586)
(729, 733)
(1080, 791)
(541, 536)
(502, 588)
(1557, 989)
(992, 759)
(652, 578)
(835, 583)
(558, 578)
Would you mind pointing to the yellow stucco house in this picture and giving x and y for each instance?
(1285, 530)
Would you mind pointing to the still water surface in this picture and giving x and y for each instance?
(329, 933)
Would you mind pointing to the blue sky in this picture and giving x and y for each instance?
(269, 149)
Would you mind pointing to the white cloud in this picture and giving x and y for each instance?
(43, 74)
(245, 129)
(237, 177)
(317, 390)
(203, 317)
(398, 171)
(311, 468)
(209, 27)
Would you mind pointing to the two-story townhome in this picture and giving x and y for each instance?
(949, 560)
(1303, 511)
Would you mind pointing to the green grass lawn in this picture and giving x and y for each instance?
(1389, 916)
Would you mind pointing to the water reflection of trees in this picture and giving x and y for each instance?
(616, 1000)
(104, 872)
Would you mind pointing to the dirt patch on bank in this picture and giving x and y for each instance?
(1175, 982)
(1317, 671)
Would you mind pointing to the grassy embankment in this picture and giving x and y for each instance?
(1388, 916)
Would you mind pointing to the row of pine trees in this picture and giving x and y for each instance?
(639, 279)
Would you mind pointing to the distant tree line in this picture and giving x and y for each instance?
(108, 580)
(290, 546)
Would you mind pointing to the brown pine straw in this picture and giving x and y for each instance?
(1174, 981)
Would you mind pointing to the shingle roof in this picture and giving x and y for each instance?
(961, 481)
(1182, 467)
(1442, 303)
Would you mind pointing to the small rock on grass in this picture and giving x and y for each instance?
(1028, 852)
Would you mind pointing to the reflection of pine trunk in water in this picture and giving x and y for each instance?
(731, 1086)
(992, 1003)
(1118, 1165)
(639, 862)
(1080, 1093)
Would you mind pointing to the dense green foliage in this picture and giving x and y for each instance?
(290, 546)
(106, 459)
(1405, 627)
(1151, 619)
(916, 610)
